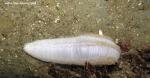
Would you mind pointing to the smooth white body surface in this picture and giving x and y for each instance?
(97, 50)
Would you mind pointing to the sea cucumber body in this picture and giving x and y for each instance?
(77, 50)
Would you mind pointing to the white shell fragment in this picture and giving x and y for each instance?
(100, 32)
(95, 49)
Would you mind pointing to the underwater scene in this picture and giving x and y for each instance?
(74, 38)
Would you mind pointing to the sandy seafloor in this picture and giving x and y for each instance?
(122, 20)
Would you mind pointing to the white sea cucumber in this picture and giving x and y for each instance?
(95, 49)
